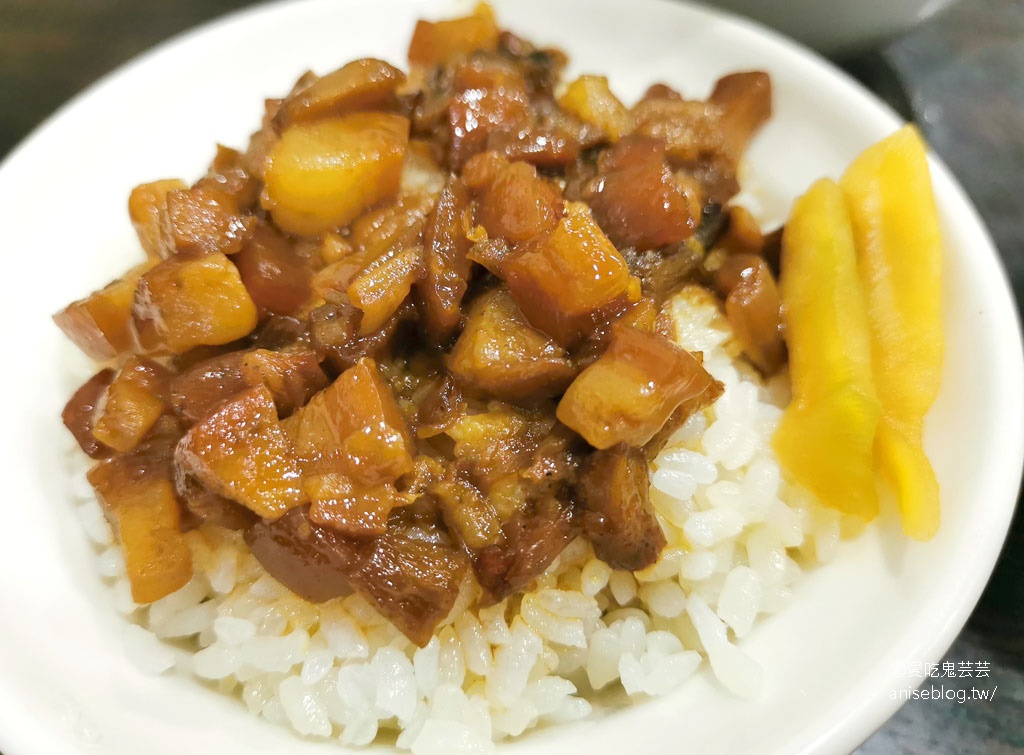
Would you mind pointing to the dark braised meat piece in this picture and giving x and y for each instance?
(500, 355)
(446, 266)
(635, 197)
(241, 453)
(131, 404)
(613, 488)
(313, 562)
(533, 539)
(411, 581)
(419, 325)
(78, 413)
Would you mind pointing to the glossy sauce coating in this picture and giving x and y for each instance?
(411, 333)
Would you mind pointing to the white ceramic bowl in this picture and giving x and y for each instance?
(65, 683)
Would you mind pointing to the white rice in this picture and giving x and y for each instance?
(738, 534)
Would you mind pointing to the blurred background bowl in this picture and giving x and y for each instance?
(836, 27)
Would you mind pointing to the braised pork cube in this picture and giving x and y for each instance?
(139, 500)
(185, 302)
(241, 453)
(353, 510)
(499, 354)
(592, 100)
(745, 102)
(311, 561)
(516, 204)
(754, 309)
(568, 280)
(446, 266)
(321, 175)
(549, 145)
(533, 539)
(437, 42)
(468, 514)
(740, 233)
(490, 97)
(276, 277)
(635, 198)
(690, 129)
(618, 518)
(382, 286)
(132, 404)
(292, 376)
(203, 506)
(333, 280)
(395, 225)
(334, 335)
(498, 441)
(662, 273)
(78, 413)
(355, 427)
(147, 208)
(203, 220)
(101, 324)
(630, 392)
(207, 384)
(412, 582)
(364, 84)
(439, 407)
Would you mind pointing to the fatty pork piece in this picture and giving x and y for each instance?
(707, 139)
(565, 281)
(364, 84)
(353, 443)
(240, 452)
(436, 42)
(635, 197)
(498, 442)
(532, 539)
(292, 377)
(753, 307)
(628, 394)
(138, 497)
(277, 278)
(490, 96)
(354, 426)
(613, 488)
(79, 412)
(101, 323)
(322, 174)
(499, 354)
(131, 404)
(413, 581)
(515, 204)
(186, 302)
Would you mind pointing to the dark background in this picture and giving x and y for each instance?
(960, 76)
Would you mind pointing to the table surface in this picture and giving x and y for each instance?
(960, 76)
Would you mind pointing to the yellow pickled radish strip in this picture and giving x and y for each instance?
(826, 436)
(896, 231)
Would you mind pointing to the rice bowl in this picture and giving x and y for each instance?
(870, 649)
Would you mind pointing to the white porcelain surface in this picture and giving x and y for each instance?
(65, 684)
